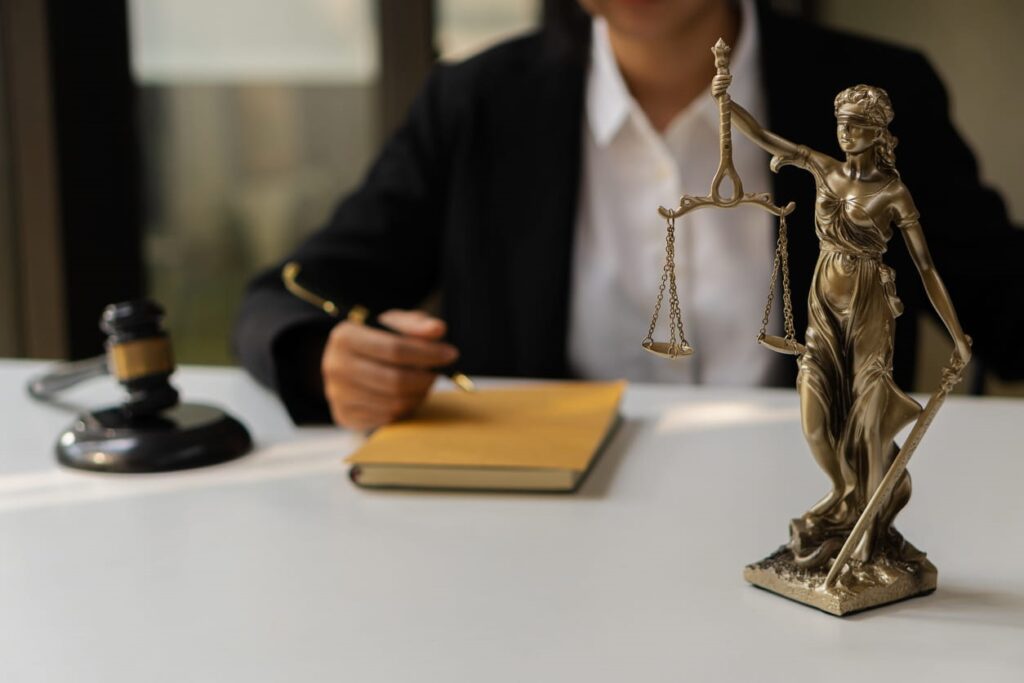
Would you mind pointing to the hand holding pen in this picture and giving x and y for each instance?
(377, 370)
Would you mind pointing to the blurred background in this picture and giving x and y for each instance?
(175, 147)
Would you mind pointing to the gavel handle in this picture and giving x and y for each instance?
(65, 376)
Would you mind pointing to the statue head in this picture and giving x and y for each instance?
(863, 114)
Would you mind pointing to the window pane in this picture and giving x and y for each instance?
(257, 115)
(465, 27)
(253, 40)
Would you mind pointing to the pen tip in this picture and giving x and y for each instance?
(463, 382)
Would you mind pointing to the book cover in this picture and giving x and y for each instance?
(540, 437)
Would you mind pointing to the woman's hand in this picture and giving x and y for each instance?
(719, 84)
(372, 376)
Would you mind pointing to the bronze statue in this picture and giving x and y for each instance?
(844, 554)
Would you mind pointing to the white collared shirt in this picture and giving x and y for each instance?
(723, 256)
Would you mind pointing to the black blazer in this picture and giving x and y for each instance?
(476, 195)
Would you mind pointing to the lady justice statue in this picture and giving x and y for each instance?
(844, 554)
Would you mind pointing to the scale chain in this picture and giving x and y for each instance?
(677, 338)
(771, 287)
(787, 300)
(664, 278)
(675, 312)
(781, 260)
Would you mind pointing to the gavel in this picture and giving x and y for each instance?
(150, 431)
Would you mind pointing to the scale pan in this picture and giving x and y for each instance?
(667, 350)
(781, 344)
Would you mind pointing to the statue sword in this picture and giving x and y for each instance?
(950, 377)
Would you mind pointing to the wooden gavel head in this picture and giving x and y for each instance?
(139, 355)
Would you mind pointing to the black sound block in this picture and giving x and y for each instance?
(182, 437)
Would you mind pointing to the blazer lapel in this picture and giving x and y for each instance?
(535, 167)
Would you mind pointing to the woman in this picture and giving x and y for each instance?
(850, 407)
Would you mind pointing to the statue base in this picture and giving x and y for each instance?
(861, 586)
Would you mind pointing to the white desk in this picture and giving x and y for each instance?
(275, 568)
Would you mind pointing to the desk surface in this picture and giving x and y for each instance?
(275, 567)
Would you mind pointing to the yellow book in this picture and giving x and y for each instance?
(539, 437)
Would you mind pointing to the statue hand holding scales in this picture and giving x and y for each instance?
(844, 554)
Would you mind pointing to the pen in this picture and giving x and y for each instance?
(356, 314)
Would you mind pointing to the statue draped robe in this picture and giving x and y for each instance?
(852, 307)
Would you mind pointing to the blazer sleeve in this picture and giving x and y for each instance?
(976, 248)
(380, 248)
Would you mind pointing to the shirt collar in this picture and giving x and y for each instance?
(608, 99)
(609, 102)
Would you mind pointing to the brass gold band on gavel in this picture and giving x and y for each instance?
(140, 357)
